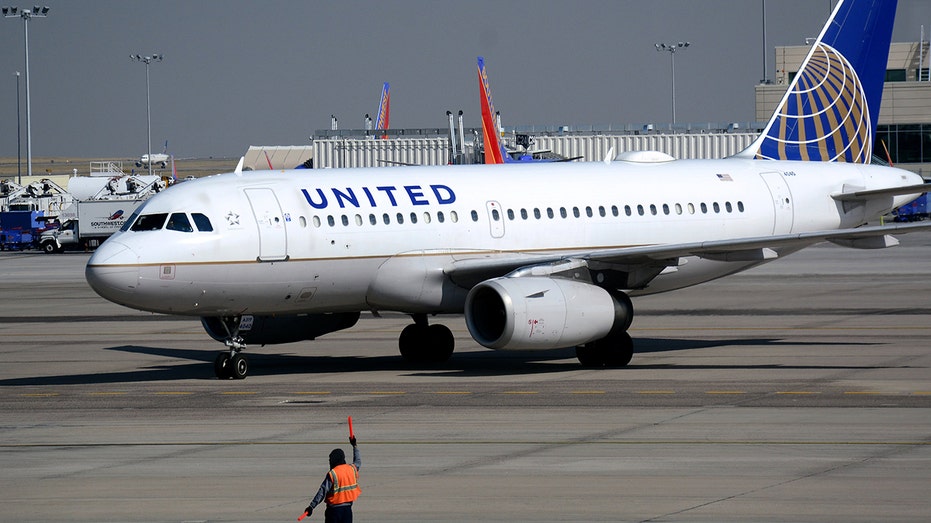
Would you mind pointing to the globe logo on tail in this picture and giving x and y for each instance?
(824, 116)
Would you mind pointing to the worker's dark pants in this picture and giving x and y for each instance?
(339, 514)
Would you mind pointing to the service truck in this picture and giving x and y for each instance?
(86, 224)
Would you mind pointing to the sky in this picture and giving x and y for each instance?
(240, 72)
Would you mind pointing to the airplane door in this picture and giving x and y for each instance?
(782, 202)
(273, 240)
(495, 218)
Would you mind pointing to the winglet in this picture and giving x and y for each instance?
(238, 171)
(609, 156)
(830, 110)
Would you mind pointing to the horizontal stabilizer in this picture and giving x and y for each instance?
(892, 191)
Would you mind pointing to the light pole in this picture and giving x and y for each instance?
(19, 134)
(26, 15)
(672, 49)
(148, 113)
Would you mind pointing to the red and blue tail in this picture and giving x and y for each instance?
(384, 110)
(494, 149)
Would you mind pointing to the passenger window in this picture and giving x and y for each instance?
(588, 212)
(562, 212)
(549, 212)
(400, 218)
(523, 214)
(453, 216)
(575, 212)
(627, 210)
(728, 207)
(330, 221)
(495, 215)
(511, 214)
(179, 222)
(316, 221)
(426, 217)
(373, 220)
(536, 213)
(601, 211)
(203, 223)
(385, 218)
(302, 220)
(413, 217)
(150, 222)
(652, 209)
(640, 210)
(717, 208)
(691, 208)
(440, 217)
(704, 208)
(474, 216)
(614, 210)
(740, 206)
(665, 208)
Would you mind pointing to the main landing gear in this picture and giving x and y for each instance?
(614, 350)
(423, 343)
(231, 364)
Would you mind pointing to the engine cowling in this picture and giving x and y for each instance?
(542, 313)
(265, 330)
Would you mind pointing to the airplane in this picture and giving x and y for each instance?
(495, 152)
(547, 257)
(157, 158)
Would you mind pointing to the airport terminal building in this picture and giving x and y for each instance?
(904, 129)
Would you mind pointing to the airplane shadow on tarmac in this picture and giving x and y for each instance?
(474, 363)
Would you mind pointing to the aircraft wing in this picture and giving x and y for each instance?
(642, 263)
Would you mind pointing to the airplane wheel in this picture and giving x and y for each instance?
(411, 342)
(239, 367)
(614, 350)
(221, 366)
(440, 343)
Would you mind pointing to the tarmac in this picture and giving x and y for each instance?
(797, 391)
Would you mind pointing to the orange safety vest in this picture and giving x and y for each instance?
(345, 489)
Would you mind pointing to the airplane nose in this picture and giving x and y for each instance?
(113, 272)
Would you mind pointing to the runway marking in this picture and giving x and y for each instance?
(587, 392)
(173, 393)
(239, 392)
(463, 392)
(867, 392)
(724, 392)
(518, 392)
(796, 392)
(107, 393)
(39, 394)
(655, 392)
(386, 392)
(313, 393)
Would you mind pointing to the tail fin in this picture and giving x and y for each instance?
(830, 110)
(384, 109)
(494, 150)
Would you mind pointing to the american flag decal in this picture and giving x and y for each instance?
(725, 178)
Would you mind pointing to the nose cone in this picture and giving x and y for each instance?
(113, 272)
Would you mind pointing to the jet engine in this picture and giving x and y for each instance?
(543, 313)
(263, 330)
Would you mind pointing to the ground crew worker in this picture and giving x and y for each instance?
(340, 487)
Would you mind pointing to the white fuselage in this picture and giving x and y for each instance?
(385, 238)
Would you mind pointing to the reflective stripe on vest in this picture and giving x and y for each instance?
(345, 489)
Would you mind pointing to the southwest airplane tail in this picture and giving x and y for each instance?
(494, 149)
(382, 120)
(546, 257)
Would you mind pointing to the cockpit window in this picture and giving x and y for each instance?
(202, 222)
(179, 222)
(149, 222)
(128, 223)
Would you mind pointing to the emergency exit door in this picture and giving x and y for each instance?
(273, 239)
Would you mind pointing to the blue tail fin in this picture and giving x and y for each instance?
(830, 110)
